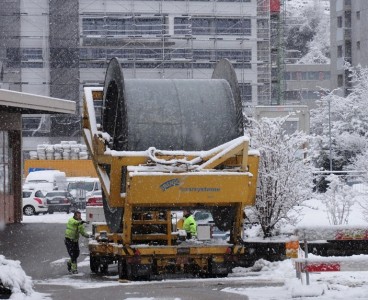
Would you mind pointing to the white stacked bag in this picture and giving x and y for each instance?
(65, 150)
(49, 150)
(41, 151)
(83, 154)
(58, 151)
(33, 155)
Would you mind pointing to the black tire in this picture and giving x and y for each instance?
(122, 269)
(94, 264)
(103, 268)
(29, 210)
(50, 212)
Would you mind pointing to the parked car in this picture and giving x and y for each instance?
(82, 188)
(95, 199)
(34, 202)
(60, 201)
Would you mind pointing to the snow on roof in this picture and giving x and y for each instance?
(30, 103)
(44, 174)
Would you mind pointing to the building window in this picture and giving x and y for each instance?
(348, 19)
(358, 15)
(31, 54)
(340, 80)
(245, 92)
(339, 22)
(358, 45)
(313, 75)
(339, 51)
(210, 26)
(127, 25)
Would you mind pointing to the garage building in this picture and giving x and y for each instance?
(12, 106)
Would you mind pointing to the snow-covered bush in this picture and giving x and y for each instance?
(285, 175)
(338, 199)
(14, 278)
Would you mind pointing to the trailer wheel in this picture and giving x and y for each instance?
(97, 266)
(94, 263)
(103, 268)
(122, 269)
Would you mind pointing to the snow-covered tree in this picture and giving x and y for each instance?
(338, 200)
(285, 175)
(348, 117)
(308, 31)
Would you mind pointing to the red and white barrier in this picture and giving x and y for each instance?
(332, 264)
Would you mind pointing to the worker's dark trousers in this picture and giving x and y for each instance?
(73, 249)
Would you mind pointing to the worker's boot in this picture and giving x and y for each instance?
(74, 268)
(69, 265)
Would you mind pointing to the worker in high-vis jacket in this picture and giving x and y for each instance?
(189, 225)
(74, 228)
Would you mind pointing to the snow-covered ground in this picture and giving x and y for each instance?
(326, 286)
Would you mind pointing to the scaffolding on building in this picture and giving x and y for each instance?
(277, 17)
(185, 43)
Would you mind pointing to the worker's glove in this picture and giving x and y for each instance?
(82, 222)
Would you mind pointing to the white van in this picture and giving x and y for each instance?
(83, 187)
(46, 180)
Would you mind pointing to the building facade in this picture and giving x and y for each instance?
(305, 84)
(349, 21)
(56, 47)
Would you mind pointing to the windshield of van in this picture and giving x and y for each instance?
(87, 186)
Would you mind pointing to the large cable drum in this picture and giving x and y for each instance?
(178, 114)
(169, 114)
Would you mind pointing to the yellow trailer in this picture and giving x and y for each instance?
(142, 189)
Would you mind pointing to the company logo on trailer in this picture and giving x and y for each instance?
(169, 184)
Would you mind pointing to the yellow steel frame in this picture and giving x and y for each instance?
(207, 186)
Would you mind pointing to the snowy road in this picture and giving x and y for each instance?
(38, 244)
(41, 250)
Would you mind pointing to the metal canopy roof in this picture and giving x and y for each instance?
(25, 103)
